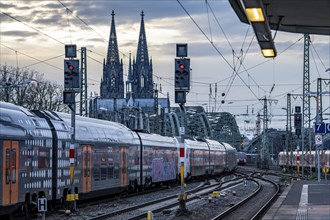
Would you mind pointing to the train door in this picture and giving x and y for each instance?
(10, 172)
(87, 168)
(123, 166)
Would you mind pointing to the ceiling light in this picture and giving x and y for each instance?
(255, 14)
(268, 52)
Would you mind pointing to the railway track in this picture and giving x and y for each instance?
(254, 206)
(140, 211)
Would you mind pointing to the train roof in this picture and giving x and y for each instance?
(10, 106)
(20, 122)
(98, 130)
(158, 140)
(193, 143)
(228, 146)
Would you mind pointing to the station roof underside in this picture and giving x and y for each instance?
(297, 16)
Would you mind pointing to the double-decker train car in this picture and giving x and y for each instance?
(108, 158)
(310, 158)
(205, 156)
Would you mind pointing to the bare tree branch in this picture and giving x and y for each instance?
(16, 87)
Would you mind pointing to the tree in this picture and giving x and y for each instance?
(27, 88)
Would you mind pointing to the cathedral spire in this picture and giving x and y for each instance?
(142, 51)
(113, 54)
(142, 70)
(112, 85)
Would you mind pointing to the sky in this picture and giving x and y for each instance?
(226, 62)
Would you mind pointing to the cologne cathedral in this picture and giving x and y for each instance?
(136, 102)
(131, 106)
(139, 84)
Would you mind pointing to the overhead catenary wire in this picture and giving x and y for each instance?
(208, 19)
(35, 29)
(312, 44)
(314, 61)
(240, 61)
(219, 52)
(216, 19)
(200, 29)
(85, 23)
(69, 10)
(40, 61)
(40, 32)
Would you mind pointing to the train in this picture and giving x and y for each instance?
(241, 158)
(38, 154)
(294, 158)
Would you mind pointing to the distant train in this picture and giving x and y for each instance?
(241, 158)
(310, 158)
(108, 158)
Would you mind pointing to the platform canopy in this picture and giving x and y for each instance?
(297, 16)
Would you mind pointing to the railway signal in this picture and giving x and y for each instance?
(71, 74)
(297, 122)
(297, 117)
(182, 74)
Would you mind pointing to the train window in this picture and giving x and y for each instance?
(7, 166)
(27, 112)
(96, 172)
(103, 173)
(5, 118)
(110, 172)
(63, 126)
(35, 122)
(13, 166)
(116, 172)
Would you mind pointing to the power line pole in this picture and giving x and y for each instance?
(83, 83)
(288, 132)
(265, 155)
(306, 123)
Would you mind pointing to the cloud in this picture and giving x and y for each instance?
(18, 33)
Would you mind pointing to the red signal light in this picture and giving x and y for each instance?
(181, 66)
(70, 67)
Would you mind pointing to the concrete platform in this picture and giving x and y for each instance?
(302, 199)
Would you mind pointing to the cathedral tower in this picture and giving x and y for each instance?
(112, 82)
(141, 79)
